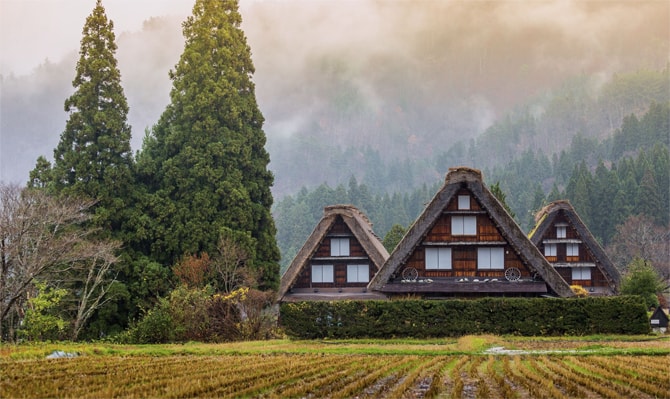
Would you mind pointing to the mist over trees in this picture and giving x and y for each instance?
(401, 82)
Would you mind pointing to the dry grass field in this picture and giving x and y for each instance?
(468, 367)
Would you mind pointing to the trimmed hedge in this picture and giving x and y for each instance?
(449, 318)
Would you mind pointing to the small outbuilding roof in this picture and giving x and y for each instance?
(659, 318)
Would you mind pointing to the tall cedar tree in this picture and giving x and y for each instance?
(205, 165)
(93, 158)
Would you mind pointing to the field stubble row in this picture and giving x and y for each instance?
(338, 376)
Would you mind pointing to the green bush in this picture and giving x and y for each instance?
(423, 319)
(195, 314)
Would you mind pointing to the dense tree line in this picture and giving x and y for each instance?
(606, 186)
(198, 189)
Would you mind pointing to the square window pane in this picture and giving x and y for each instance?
(581, 273)
(572, 250)
(561, 232)
(550, 250)
(464, 225)
(491, 258)
(438, 258)
(339, 247)
(358, 273)
(463, 202)
(322, 273)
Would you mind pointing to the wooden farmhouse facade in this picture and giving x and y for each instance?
(572, 250)
(337, 261)
(465, 244)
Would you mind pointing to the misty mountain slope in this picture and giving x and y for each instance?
(32, 114)
(377, 89)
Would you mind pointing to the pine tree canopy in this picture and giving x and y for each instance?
(204, 162)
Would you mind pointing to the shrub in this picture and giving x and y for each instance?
(194, 314)
(422, 318)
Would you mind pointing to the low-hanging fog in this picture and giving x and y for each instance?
(406, 79)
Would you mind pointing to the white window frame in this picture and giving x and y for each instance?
(323, 274)
(339, 247)
(571, 249)
(358, 273)
(550, 250)
(463, 202)
(463, 225)
(490, 258)
(438, 258)
(561, 231)
(581, 273)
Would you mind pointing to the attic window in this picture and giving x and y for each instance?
(491, 258)
(322, 273)
(339, 247)
(464, 225)
(463, 202)
(561, 230)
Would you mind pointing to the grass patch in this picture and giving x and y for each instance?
(469, 345)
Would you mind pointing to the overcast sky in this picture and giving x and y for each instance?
(34, 30)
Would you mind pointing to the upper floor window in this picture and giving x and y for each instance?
(491, 258)
(561, 231)
(438, 258)
(549, 249)
(358, 273)
(572, 250)
(464, 225)
(322, 274)
(339, 247)
(463, 202)
(581, 273)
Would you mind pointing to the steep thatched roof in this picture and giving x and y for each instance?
(545, 220)
(470, 179)
(360, 226)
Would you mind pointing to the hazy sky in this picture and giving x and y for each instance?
(411, 70)
(34, 30)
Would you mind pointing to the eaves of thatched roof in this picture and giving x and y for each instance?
(361, 228)
(545, 219)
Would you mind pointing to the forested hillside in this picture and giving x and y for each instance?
(609, 174)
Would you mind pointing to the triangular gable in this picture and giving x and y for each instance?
(470, 180)
(359, 225)
(659, 318)
(546, 220)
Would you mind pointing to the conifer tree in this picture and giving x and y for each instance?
(93, 157)
(93, 160)
(204, 164)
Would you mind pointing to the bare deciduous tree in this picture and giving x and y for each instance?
(41, 235)
(93, 274)
(639, 237)
(229, 265)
